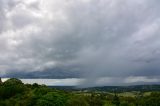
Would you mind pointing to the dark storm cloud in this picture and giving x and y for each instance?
(92, 38)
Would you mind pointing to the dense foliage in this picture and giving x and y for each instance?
(14, 93)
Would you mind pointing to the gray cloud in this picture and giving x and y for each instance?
(90, 38)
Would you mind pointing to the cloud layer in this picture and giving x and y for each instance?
(79, 38)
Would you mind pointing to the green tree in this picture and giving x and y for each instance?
(116, 100)
(52, 99)
(96, 100)
(77, 101)
(11, 88)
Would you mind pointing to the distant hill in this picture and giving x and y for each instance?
(142, 88)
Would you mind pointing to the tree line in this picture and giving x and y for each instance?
(15, 93)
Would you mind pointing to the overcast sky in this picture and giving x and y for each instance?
(80, 38)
